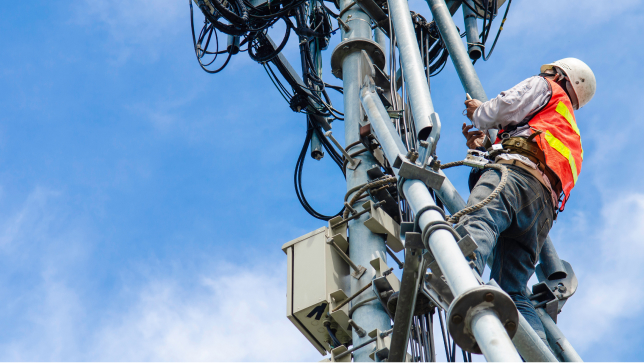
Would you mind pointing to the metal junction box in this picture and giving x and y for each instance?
(317, 279)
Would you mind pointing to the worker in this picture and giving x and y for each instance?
(540, 144)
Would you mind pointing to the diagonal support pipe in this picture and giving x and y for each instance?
(485, 325)
(457, 52)
(557, 339)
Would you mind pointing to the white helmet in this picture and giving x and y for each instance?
(580, 76)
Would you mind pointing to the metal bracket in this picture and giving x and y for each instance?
(553, 294)
(382, 345)
(337, 351)
(380, 222)
(544, 297)
(395, 113)
(411, 171)
(562, 288)
(384, 286)
(338, 231)
(437, 290)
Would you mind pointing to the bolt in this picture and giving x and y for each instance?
(457, 319)
(412, 155)
(510, 325)
(489, 297)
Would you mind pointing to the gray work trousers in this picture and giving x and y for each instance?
(512, 228)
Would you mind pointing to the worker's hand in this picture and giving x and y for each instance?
(474, 138)
(472, 105)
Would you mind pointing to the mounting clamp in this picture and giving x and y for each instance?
(410, 171)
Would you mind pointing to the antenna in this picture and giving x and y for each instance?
(341, 293)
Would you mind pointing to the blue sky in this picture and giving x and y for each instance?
(143, 202)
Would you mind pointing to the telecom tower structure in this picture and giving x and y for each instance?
(342, 295)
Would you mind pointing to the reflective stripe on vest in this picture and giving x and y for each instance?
(563, 150)
(563, 111)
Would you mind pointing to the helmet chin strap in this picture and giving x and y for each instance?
(561, 78)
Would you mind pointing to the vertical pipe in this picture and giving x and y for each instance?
(381, 38)
(364, 245)
(472, 30)
(460, 58)
(317, 152)
(551, 264)
(412, 68)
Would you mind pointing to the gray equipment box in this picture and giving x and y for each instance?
(317, 279)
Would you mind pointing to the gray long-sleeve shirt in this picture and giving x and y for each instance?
(514, 105)
(510, 108)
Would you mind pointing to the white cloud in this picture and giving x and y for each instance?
(135, 27)
(137, 21)
(57, 309)
(611, 282)
(237, 315)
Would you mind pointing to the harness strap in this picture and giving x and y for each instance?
(528, 148)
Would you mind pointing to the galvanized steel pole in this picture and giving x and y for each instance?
(420, 100)
(364, 245)
(472, 30)
(457, 51)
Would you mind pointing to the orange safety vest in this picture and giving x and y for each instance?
(560, 139)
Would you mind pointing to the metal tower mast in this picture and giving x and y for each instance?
(341, 294)
(364, 245)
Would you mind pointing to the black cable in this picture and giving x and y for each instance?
(447, 353)
(453, 351)
(231, 16)
(505, 16)
(299, 167)
(335, 340)
(261, 38)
